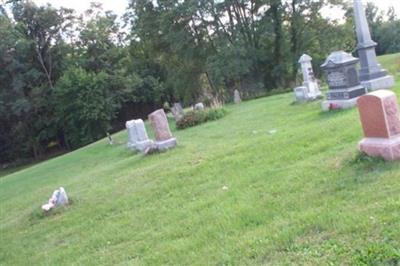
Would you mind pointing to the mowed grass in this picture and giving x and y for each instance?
(269, 184)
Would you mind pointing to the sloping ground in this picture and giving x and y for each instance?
(301, 195)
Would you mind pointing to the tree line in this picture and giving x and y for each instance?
(67, 79)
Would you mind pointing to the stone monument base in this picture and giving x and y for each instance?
(166, 144)
(140, 145)
(338, 104)
(385, 82)
(388, 149)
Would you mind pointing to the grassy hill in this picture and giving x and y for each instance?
(232, 192)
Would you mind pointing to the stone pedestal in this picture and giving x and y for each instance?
(344, 85)
(236, 97)
(379, 115)
(137, 135)
(159, 122)
(372, 75)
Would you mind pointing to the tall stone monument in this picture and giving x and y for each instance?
(159, 122)
(344, 85)
(379, 114)
(137, 135)
(310, 89)
(372, 76)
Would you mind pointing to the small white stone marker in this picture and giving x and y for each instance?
(59, 198)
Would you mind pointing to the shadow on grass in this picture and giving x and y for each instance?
(362, 169)
(38, 214)
(334, 113)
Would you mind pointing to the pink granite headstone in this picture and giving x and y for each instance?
(380, 119)
(159, 122)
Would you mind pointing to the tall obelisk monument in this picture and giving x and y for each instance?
(372, 75)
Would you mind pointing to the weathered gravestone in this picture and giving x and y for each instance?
(199, 107)
(164, 138)
(58, 198)
(310, 89)
(137, 135)
(236, 97)
(372, 76)
(379, 114)
(177, 111)
(344, 85)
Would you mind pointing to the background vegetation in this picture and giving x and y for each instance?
(271, 183)
(65, 80)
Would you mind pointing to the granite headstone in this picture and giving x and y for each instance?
(159, 123)
(379, 115)
(344, 85)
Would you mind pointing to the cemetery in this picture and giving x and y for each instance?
(244, 181)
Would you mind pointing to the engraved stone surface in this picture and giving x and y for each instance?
(380, 119)
(379, 114)
(344, 85)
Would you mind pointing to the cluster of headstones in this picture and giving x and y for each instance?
(139, 140)
(137, 135)
(379, 111)
(345, 83)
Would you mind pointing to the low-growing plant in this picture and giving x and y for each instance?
(194, 118)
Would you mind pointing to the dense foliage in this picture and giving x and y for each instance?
(65, 80)
(197, 117)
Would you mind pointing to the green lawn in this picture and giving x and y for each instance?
(302, 195)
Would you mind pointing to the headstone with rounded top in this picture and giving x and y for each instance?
(380, 119)
(177, 111)
(199, 107)
(137, 135)
(344, 85)
(163, 135)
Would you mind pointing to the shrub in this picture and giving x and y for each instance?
(194, 118)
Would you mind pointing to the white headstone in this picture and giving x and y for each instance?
(309, 80)
(137, 135)
(199, 106)
(301, 94)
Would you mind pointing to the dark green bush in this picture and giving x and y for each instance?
(194, 118)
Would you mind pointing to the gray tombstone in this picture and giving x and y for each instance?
(236, 97)
(164, 138)
(137, 135)
(301, 94)
(372, 76)
(344, 85)
(177, 111)
(199, 107)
